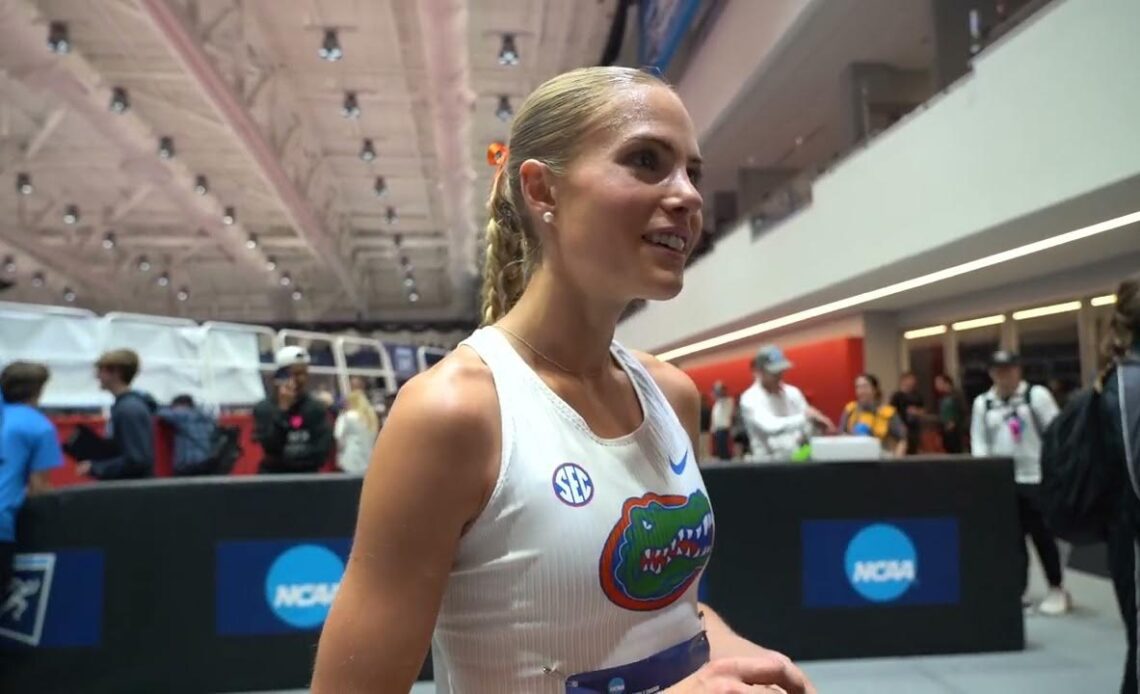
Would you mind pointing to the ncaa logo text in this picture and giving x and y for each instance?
(881, 562)
(302, 583)
(572, 485)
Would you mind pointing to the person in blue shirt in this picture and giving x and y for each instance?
(29, 448)
(132, 421)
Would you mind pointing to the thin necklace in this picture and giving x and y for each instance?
(534, 349)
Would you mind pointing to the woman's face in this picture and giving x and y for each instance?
(864, 391)
(627, 209)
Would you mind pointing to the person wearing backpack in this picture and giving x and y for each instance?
(1120, 421)
(1010, 420)
(193, 436)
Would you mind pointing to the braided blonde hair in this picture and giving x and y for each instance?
(549, 127)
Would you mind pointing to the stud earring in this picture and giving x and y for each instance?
(548, 217)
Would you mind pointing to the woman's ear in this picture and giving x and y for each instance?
(537, 183)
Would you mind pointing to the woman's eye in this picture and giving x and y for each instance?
(646, 159)
(695, 176)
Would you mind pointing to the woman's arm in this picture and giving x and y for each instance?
(432, 470)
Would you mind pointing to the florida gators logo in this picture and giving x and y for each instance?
(656, 550)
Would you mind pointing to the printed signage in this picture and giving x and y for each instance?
(54, 600)
(852, 563)
(277, 586)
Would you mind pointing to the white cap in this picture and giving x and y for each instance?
(288, 356)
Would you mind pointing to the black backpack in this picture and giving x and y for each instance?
(225, 449)
(1079, 485)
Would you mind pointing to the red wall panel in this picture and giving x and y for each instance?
(825, 371)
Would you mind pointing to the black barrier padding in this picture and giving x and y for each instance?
(158, 539)
(755, 573)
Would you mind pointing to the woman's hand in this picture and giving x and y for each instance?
(744, 674)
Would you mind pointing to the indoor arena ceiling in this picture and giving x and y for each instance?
(201, 157)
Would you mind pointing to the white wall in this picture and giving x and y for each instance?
(1049, 115)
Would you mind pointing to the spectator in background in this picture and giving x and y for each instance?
(951, 414)
(132, 421)
(355, 432)
(1009, 420)
(775, 414)
(29, 448)
(292, 426)
(908, 401)
(193, 436)
(869, 416)
(720, 422)
(1120, 417)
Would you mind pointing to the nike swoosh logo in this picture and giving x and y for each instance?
(678, 468)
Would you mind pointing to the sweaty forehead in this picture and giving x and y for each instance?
(652, 111)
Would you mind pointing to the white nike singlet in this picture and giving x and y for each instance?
(589, 551)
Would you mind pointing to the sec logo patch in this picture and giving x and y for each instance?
(572, 485)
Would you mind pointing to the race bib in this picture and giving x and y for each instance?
(652, 674)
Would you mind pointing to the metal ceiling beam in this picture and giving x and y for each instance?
(53, 121)
(190, 52)
(78, 85)
(77, 272)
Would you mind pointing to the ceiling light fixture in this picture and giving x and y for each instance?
(350, 109)
(229, 215)
(109, 241)
(1047, 310)
(163, 280)
(166, 147)
(201, 185)
(24, 184)
(367, 150)
(974, 323)
(380, 187)
(120, 101)
(405, 263)
(904, 286)
(919, 333)
(9, 264)
(298, 294)
(286, 279)
(251, 242)
(71, 214)
(410, 281)
(504, 111)
(69, 295)
(508, 52)
(391, 217)
(330, 49)
(183, 294)
(271, 263)
(413, 296)
(59, 40)
(1106, 300)
(144, 264)
(38, 279)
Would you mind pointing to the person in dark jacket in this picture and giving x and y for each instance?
(291, 425)
(1120, 415)
(193, 436)
(132, 421)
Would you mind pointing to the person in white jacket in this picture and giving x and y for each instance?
(355, 432)
(1010, 420)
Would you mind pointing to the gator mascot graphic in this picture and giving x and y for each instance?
(656, 550)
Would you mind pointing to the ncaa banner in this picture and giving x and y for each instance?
(55, 600)
(861, 563)
(276, 586)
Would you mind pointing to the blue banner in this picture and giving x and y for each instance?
(860, 563)
(661, 26)
(55, 600)
(276, 586)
